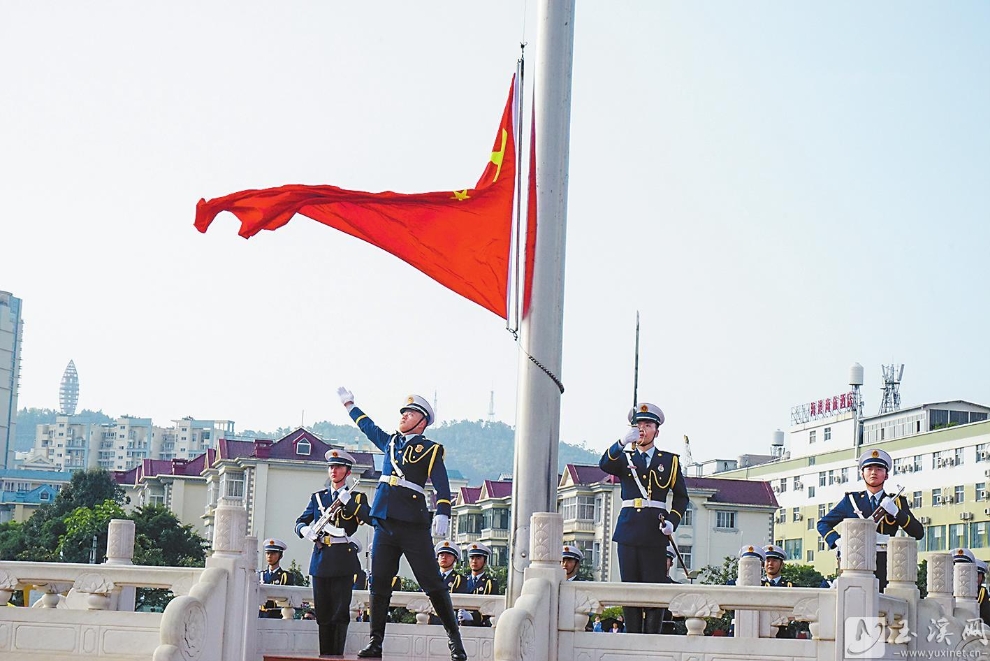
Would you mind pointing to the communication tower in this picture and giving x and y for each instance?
(68, 391)
(491, 407)
(891, 398)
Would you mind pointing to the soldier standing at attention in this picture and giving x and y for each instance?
(894, 514)
(334, 561)
(274, 575)
(773, 565)
(479, 581)
(401, 517)
(647, 475)
(570, 559)
(447, 557)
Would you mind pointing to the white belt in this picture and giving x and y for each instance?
(640, 503)
(882, 541)
(395, 480)
(330, 539)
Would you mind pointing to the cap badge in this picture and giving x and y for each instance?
(875, 454)
(643, 408)
(334, 454)
(474, 546)
(750, 549)
(410, 400)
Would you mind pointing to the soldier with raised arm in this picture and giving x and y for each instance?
(890, 512)
(645, 526)
(402, 519)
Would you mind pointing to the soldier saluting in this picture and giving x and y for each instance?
(330, 519)
(645, 526)
(891, 513)
(401, 517)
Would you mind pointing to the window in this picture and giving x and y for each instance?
(979, 535)
(796, 483)
(809, 556)
(598, 509)
(936, 498)
(916, 500)
(958, 456)
(821, 479)
(811, 461)
(686, 554)
(811, 435)
(496, 519)
(688, 519)
(831, 477)
(957, 535)
(935, 536)
(796, 514)
(782, 487)
(793, 549)
(156, 499)
(811, 492)
(844, 475)
(596, 555)
(981, 491)
(569, 509)
(725, 520)
(233, 486)
(811, 523)
(586, 508)
(981, 452)
(44, 495)
(821, 510)
(917, 463)
(303, 447)
(821, 543)
(827, 434)
(960, 498)
(469, 523)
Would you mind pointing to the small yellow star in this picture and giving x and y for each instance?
(497, 156)
(461, 195)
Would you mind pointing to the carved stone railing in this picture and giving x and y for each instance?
(186, 634)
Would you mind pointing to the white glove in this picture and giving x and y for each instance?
(667, 528)
(307, 533)
(441, 523)
(464, 616)
(838, 545)
(631, 438)
(346, 396)
(344, 496)
(890, 506)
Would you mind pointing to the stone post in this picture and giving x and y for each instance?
(120, 551)
(857, 588)
(902, 578)
(940, 580)
(747, 623)
(964, 589)
(546, 538)
(236, 554)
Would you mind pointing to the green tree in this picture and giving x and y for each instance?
(86, 530)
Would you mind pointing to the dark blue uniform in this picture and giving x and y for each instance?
(641, 544)
(456, 584)
(984, 601)
(888, 525)
(483, 583)
(334, 565)
(277, 577)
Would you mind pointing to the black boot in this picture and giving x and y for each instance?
(326, 639)
(632, 619)
(339, 638)
(445, 611)
(379, 613)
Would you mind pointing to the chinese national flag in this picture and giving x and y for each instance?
(460, 238)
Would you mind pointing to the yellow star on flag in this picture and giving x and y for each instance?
(497, 156)
(461, 195)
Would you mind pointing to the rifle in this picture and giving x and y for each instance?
(318, 529)
(880, 511)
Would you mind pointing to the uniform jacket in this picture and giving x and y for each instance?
(984, 600)
(888, 525)
(419, 459)
(641, 526)
(482, 584)
(335, 559)
(780, 583)
(455, 582)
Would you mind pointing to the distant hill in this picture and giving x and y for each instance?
(479, 450)
(29, 419)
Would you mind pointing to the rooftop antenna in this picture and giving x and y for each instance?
(891, 398)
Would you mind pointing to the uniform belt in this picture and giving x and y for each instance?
(330, 539)
(396, 481)
(881, 547)
(640, 503)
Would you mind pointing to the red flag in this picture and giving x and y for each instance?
(459, 238)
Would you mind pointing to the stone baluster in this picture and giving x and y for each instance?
(747, 623)
(546, 538)
(902, 577)
(120, 551)
(857, 589)
(940, 580)
(229, 528)
(964, 589)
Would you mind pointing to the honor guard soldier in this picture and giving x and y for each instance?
(981, 596)
(891, 513)
(773, 565)
(329, 521)
(401, 518)
(647, 475)
(447, 557)
(479, 581)
(570, 559)
(274, 575)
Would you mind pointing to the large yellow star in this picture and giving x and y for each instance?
(461, 195)
(497, 156)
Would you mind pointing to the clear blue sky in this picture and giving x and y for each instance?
(781, 189)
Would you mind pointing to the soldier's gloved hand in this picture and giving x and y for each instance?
(889, 506)
(307, 533)
(464, 616)
(441, 523)
(667, 528)
(344, 496)
(346, 397)
(630, 439)
(838, 545)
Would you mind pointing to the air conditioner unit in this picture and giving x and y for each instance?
(925, 520)
(982, 495)
(949, 499)
(798, 517)
(799, 485)
(984, 456)
(779, 519)
(966, 516)
(987, 511)
(776, 489)
(987, 473)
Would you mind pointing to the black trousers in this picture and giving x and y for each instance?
(881, 570)
(332, 599)
(642, 564)
(413, 540)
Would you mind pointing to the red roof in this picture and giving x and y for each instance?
(469, 495)
(498, 489)
(285, 448)
(581, 474)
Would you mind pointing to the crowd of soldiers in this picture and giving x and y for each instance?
(404, 525)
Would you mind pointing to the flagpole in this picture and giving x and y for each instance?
(534, 477)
